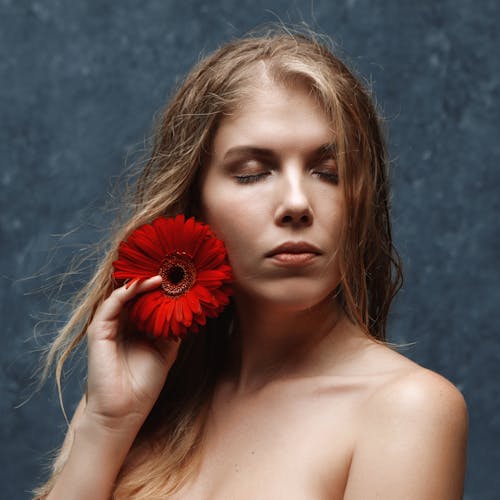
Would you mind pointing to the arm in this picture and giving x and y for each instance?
(123, 382)
(412, 444)
(42, 491)
(90, 458)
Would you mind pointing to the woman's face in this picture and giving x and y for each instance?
(270, 191)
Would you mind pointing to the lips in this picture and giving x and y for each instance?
(294, 248)
(294, 254)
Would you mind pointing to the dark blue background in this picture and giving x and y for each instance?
(79, 85)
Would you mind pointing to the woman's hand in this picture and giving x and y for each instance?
(125, 373)
(125, 376)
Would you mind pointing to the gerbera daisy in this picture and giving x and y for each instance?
(193, 265)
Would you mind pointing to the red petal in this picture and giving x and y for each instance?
(193, 302)
(145, 306)
(160, 323)
(147, 246)
(140, 257)
(178, 311)
(202, 295)
(187, 314)
(210, 277)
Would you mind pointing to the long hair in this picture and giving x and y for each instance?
(167, 449)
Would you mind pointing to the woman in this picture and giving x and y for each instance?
(292, 391)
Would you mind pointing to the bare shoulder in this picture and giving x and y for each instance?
(405, 386)
(420, 393)
(418, 397)
(412, 438)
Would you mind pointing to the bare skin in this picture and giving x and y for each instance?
(373, 425)
(376, 426)
(124, 380)
(308, 406)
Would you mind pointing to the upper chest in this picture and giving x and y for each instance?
(290, 440)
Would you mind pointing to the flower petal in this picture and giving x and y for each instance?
(143, 254)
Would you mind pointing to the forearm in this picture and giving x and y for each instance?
(96, 456)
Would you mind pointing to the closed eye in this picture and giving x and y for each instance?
(251, 178)
(332, 177)
(326, 170)
(324, 165)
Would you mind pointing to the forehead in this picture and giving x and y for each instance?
(275, 116)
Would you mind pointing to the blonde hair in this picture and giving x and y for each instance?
(167, 449)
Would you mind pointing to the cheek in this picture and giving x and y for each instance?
(226, 218)
(335, 214)
(240, 233)
(230, 211)
(233, 231)
(224, 228)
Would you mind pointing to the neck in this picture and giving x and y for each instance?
(272, 342)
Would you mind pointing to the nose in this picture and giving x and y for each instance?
(294, 207)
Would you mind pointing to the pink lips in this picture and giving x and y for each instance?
(294, 253)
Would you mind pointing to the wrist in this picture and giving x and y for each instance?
(108, 425)
(98, 450)
(117, 433)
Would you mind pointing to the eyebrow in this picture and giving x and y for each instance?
(323, 150)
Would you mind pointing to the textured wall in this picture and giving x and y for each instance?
(79, 84)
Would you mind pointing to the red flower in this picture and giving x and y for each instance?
(193, 265)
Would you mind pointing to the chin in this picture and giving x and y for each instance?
(289, 297)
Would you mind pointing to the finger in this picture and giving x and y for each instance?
(113, 305)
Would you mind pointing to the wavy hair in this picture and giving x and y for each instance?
(168, 447)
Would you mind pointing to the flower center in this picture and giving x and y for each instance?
(178, 274)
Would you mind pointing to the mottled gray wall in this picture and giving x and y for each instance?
(79, 84)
